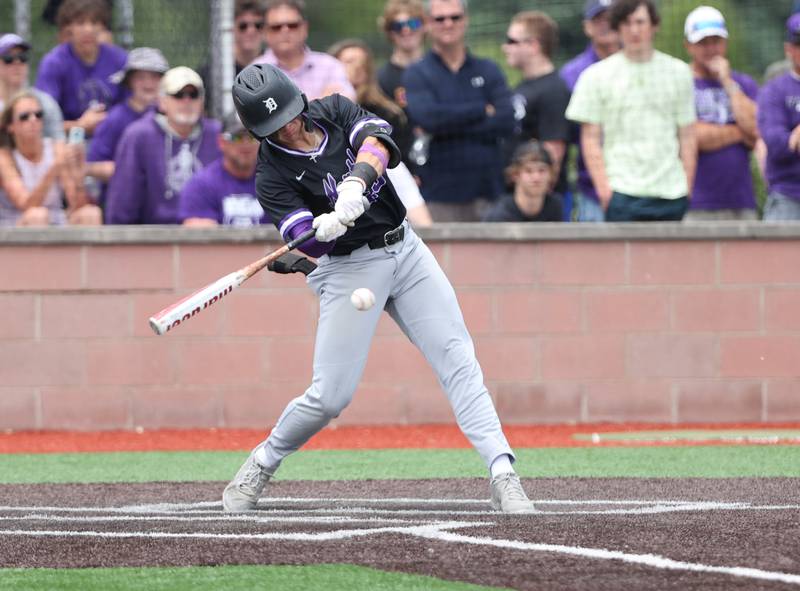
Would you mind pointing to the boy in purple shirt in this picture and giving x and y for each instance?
(142, 75)
(160, 152)
(779, 124)
(224, 192)
(604, 41)
(726, 128)
(76, 74)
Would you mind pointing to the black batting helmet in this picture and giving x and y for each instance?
(266, 99)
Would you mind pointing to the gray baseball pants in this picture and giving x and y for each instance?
(408, 282)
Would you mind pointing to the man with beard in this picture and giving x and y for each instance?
(160, 152)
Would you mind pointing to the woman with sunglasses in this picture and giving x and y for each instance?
(402, 22)
(14, 59)
(38, 175)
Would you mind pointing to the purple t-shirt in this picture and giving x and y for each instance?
(152, 166)
(778, 115)
(723, 178)
(106, 136)
(74, 85)
(213, 193)
(570, 72)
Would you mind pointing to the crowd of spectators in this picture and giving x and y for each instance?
(621, 132)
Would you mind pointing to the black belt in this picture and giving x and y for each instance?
(391, 237)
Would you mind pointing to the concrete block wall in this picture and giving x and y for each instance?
(661, 323)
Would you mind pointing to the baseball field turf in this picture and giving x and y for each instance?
(631, 508)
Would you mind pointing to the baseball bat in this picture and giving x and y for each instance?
(193, 304)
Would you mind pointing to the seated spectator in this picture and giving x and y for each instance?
(402, 23)
(779, 124)
(248, 40)
(76, 73)
(541, 99)
(141, 75)
(14, 58)
(224, 192)
(160, 152)
(637, 113)
(464, 103)
(316, 74)
(531, 173)
(603, 42)
(726, 128)
(360, 65)
(38, 173)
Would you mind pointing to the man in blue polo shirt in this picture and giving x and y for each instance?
(465, 104)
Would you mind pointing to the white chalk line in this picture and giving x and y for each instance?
(289, 536)
(652, 560)
(320, 519)
(437, 532)
(267, 507)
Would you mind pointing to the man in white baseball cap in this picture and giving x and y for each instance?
(726, 127)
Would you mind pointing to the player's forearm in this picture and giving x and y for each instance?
(374, 153)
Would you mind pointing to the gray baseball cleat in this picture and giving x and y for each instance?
(244, 490)
(508, 495)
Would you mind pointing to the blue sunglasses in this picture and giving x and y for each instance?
(413, 24)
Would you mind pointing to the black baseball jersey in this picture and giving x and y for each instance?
(294, 186)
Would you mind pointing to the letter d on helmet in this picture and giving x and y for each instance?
(266, 99)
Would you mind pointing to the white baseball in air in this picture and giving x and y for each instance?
(362, 299)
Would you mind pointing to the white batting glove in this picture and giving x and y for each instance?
(351, 202)
(328, 227)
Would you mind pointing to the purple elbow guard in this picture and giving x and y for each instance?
(310, 247)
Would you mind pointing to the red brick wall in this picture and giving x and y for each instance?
(565, 331)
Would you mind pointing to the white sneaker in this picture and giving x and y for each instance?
(508, 495)
(244, 490)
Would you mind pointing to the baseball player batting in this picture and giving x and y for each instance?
(321, 165)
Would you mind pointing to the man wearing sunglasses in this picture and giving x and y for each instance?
(224, 192)
(14, 59)
(160, 152)
(248, 40)
(317, 74)
(464, 102)
(541, 98)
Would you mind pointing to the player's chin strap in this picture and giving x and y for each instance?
(291, 263)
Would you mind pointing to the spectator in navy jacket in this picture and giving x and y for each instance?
(465, 104)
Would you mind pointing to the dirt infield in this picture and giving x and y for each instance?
(590, 534)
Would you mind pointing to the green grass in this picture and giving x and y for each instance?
(332, 577)
(587, 462)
